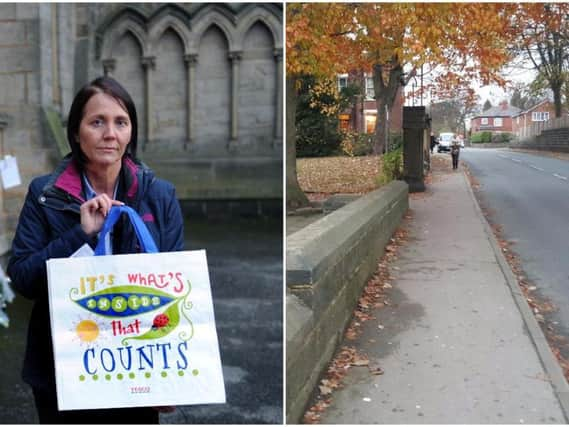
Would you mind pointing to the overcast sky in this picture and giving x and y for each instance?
(496, 94)
(518, 73)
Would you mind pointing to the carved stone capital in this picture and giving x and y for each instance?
(5, 120)
(278, 53)
(109, 66)
(191, 59)
(235, 56)
(148, 62)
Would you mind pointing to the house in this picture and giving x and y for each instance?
(498, 119)
(506, 118)
(362, 115)
(540, 112)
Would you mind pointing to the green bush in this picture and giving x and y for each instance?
(317, 136)
(504, 137)
(395, 140)
(317, 123)
(481, 137)
(391, 166)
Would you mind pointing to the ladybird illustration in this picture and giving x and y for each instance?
(160, 321)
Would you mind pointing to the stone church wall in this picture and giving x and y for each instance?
(206, 79)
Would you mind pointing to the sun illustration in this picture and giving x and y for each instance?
(87, 330)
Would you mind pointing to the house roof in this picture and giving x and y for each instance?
(535, 106)
(499, 111)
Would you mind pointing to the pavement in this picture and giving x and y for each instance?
(459, 343)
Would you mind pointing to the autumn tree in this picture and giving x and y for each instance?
(449, 115)
(460, 41)
(316, 45)
(544, 41)
(526, 96)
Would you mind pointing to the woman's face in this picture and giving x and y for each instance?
(104, 131)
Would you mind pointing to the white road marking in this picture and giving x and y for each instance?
(536, 168)
(564, 178)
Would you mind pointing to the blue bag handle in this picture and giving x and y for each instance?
(144, 238)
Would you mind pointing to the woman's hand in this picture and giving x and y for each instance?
(94, 212)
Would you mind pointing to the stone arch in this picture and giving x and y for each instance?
(169, 18)
(218, 15)
(253, 14)
(128, 71)
(169, 89)
(213, 90)
(257, 89)
(126, 21)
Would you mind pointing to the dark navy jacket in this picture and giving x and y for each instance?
(49, 227)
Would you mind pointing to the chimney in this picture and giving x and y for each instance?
(504, 105)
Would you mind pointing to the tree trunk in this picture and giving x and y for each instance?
(556, 89)
(295, 197)
(385, 94)
(381, 131)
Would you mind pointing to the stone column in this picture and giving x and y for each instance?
(45, 53)
(234, 57)
(5, 235)
(278, 141)
(148, 63)
(3, 124)
(191, 61)
(109, 66)
(415, 121)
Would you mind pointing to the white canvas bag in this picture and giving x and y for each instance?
(133, 330)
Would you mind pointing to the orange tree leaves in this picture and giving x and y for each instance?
(465, 40)
(316, 38)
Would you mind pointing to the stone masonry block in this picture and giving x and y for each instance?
(18, 59)
(12, 32)
(27, 11)
(13, 88)
(8, 11)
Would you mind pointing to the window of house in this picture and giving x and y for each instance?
(344, 122)
(342, 81)
(540, 116)
(497, 121)
(369, 87)
(370, 124)
(484, 121)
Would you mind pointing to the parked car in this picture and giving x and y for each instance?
(445, 141)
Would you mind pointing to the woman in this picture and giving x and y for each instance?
(455, 152)
(66, 209)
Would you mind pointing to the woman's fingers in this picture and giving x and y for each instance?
(94, 212)
(103, 203)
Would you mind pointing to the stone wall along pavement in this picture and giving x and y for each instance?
(328, 263)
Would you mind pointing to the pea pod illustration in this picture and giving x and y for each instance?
(123, 301)
(158, 329)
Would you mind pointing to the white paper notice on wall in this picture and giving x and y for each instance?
(10, 172)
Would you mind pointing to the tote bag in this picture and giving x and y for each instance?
(133, 330)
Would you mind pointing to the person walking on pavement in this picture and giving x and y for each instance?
(433, 142)
(455, 152)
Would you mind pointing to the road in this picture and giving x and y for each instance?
(528, 195)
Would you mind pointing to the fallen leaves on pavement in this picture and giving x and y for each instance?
(373, 297)
(331, 175)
